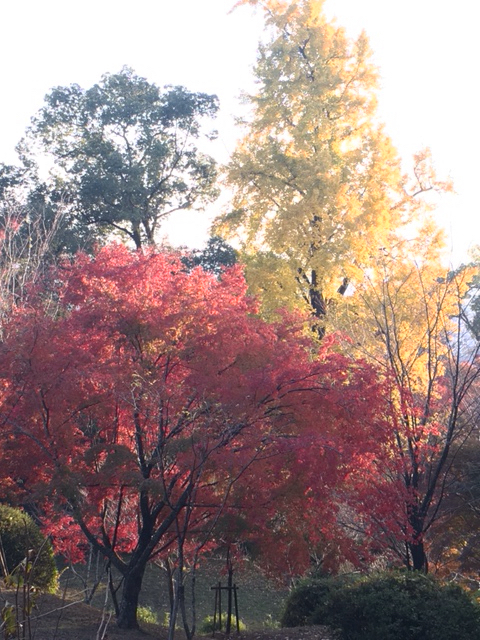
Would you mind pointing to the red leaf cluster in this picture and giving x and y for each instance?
(140, 400)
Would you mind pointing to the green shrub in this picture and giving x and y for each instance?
(207, 624)
(19, 536)
(311, 597)
(392, 606)
(405, 605)
(147, 615)
(270, 622)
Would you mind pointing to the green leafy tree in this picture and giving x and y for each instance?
(10, 177)
(21, 539)
(124, 154)
(318, 186)
(216, 256)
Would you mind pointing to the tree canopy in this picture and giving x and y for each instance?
(130, 418)
(318, 186)
(124, 154)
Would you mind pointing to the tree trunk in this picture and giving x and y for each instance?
(419, 557)
(127, 617)
(416, 546)
(136, 236)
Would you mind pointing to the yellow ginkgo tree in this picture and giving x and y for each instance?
(318, 188)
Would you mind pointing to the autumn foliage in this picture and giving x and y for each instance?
(154, 410)
(140, 401)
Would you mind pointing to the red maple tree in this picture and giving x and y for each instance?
(140, 401)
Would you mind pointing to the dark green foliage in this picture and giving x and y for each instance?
(37, 221)
(51, 204)
(310, 598)
(124, 153)
(216, 256)
(472, 307)
(389, 606)
(10, 177)
(21, 536)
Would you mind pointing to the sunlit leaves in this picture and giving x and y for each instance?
(318, 185)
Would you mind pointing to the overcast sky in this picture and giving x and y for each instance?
(427, 52)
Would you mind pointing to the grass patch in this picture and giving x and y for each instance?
(260, 601)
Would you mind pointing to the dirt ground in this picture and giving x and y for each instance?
(55, 619)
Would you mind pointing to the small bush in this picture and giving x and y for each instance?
(390, 606)
(147, 615)
(310, 598)
(165, 619)
(207, 624)
(270, 623)
(21, 536)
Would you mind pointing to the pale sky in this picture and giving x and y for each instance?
(427, 52)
